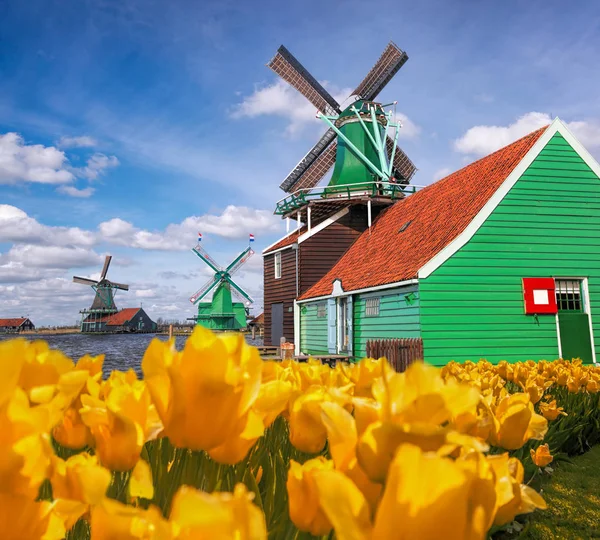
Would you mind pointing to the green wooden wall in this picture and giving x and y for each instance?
(397, 317)
(313, 329)
(548, 225)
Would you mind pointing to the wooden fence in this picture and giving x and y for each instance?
(400, 353)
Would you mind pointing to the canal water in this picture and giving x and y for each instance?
(122, 351)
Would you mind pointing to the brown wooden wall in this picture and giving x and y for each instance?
(321, 251)
(280, 290)
(315, 257)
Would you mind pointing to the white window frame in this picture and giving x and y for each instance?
(277, 265)
(372, 306)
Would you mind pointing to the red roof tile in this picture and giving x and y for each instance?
(12, 322)
(121, 317)
(436, 215)
(287, 240)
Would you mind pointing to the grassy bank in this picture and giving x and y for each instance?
(573, 497)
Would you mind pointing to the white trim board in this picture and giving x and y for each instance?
(359, 291)
(557, 126)
(325, 223)
(264, 251)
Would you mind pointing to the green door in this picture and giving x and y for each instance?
(573, 321)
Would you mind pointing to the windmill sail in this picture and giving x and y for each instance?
(294, 73)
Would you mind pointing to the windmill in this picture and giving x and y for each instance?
(361, 140)
(104, 301)
(222, 313)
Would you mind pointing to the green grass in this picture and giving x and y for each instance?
(573, 497)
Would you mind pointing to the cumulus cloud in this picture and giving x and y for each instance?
(17, 226)
(280, 99)
(235, 222)
(72, 191)
(20, 162)
(482, 140)
(441, 173)
(97, 165)
(51, 256)
(83, 141)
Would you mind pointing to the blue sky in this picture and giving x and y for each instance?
(127, 126)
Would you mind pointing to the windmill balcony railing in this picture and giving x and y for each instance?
(300, 198)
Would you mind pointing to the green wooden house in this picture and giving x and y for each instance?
(453, 263)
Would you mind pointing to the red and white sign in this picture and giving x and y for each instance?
(539, 295)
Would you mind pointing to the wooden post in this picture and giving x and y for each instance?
(170, 331)
(253, 332)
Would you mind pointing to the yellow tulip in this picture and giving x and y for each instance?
(71, 432)
(112, 520)
(541, 455)
(550, 411)
(80, 479)
(513, 497)
(303, 498)
(272, 399)
(122, 423)
(362, 374)
(593, 386)
(22, 518)
(343, 438)
(203, 393)
(343, 504)
(196, 515)
(25, 449)
(515, 422)
(429, 497)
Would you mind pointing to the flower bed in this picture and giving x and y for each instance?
(216, 443)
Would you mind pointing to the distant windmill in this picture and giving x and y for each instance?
(104, 301)
(222, 313)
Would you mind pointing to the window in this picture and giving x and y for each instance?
(568, 295)
(278, 265)
(372, 307)
(321, 311)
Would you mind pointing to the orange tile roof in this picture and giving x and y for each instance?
(13, 322)
(121, 317)
(436, 215)
(287, 240)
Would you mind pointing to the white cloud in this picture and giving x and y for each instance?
(83, 141)
(441, 173)
(37, 256)
(96, 166)
(20, 162)
(74, 192)
(145, 293)
(482, 140)
(280, 99)
(235, 222)
(17, 226)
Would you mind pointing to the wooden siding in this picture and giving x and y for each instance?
(548, 225)
(282, 290)
(313, 329)
(320, 252)
(397, 317)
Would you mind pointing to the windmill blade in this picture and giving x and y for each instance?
(198, 250)
(84, 281)
(402, 162)
(241, 291)
(119, 286)
(204, 290)
(392, 59)
(239, 297)
(239, 261)
(105, 268)
(313, 166)
(294, 73)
